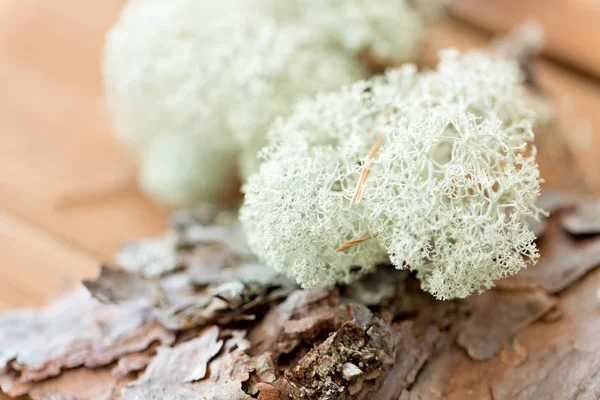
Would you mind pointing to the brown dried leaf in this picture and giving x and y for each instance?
(497, 316)
(74, 331)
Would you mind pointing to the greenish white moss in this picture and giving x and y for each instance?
(220, 72)
(448, 192)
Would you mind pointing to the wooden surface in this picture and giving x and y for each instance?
(571, 27)
(54, 137)
(54, 140)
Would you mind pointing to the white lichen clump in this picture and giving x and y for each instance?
(452, 179)
(220, 72)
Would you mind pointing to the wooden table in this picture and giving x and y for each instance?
(54, 133)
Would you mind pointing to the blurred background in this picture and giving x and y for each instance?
(55, 142)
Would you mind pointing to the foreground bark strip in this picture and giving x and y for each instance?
(196, 316)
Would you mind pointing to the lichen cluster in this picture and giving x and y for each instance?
(193, 85)
(434, 171)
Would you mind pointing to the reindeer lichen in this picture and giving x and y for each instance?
(447, 192)
(220, 72)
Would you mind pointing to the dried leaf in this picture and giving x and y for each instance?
(497, 316)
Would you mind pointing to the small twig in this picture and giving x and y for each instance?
(366, 171)
(355, 242)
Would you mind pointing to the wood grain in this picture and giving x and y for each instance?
(55, 141)
(54, 134)
(36, 264)
(571, 27)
